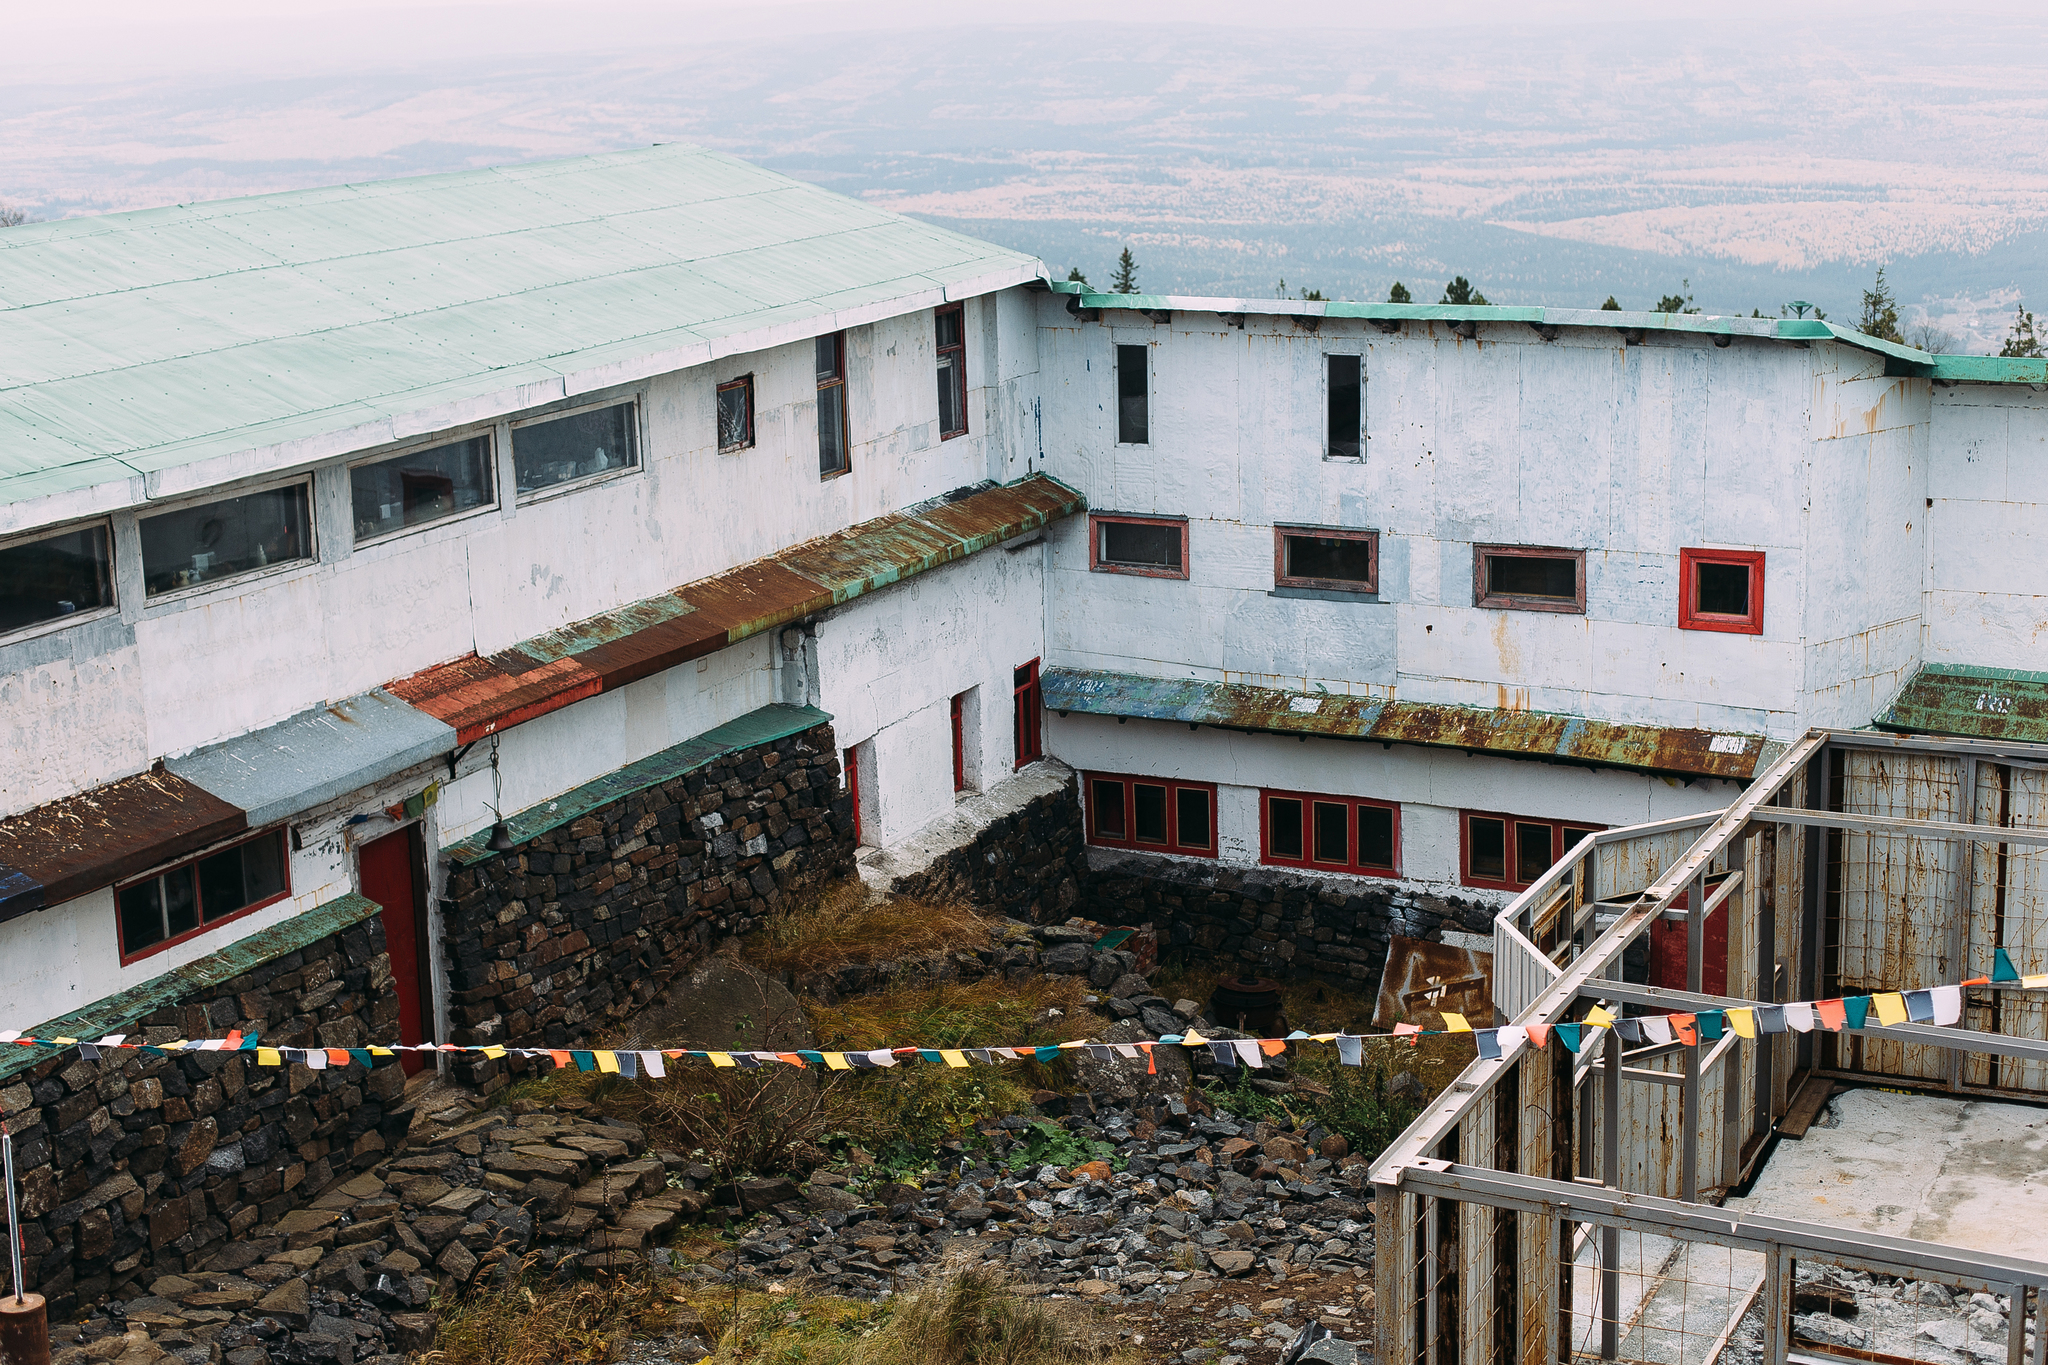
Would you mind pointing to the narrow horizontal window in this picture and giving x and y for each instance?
(1153, 546)
(1133, 395)
(55, 576)
(1349, 834)
(582, 445)
(736, 414)
(182, 900)
(1155, 814)
(1346, 407)
(1529, 578)
(421, 487)
(1321, 557)
(218, 540)
(1721, 590)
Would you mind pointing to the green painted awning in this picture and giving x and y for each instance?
(1982, 703)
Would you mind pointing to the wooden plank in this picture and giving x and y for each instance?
(1811, 1096)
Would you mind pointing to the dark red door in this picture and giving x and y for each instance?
(393, 874)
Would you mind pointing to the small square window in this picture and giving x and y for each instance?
(1532, 851)
(1721, 590)
(1156, 547)
(1106, 811)
(1326, 557)
(1486, 849)
(736, 414)
(1529, 578)
(1283, 828)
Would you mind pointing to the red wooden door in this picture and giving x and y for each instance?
(392, 873)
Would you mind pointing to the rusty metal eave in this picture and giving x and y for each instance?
(1511, 733)
(60, 851)
(1978, 703)
(482, 695)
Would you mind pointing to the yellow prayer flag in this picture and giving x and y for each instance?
(1078, 1042)
(1193, 1039)
(1598, 1017)
(65, 1042)
(1455, 1023)
(494, 1052)
(1891, 1007)
(953, 1056)
(725, 1058)
(2035, 983)
(835, 1061)
(268, 1056)
(607, 1061)
(1743, 1022)
(1323, 1037)
(376, 1052)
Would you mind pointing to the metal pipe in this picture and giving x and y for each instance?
(2016, 1325)
(25, 1318)
(1885, 824)
(1689, 1104)
(13, 1214)
(1610, 1171)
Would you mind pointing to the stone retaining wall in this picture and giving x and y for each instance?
(569, 932)
(1275, 923)
(1028, 864)
(132, 1166)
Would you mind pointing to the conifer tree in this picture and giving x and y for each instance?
(2021, 340)
(1399, 294)
(1880, 312)
(1125, 281)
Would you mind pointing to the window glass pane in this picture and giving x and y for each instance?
(1133, 421)
(831, 428)
(1724, 589)
(1191, 817)
(574, 447)
(948, 328)
(54, 577)
(142, 915)
(1532, 576)
(1574, 833)
(1283, 827)
(1150, 824)
(1375, 837)
(1488, 852)
(181, 904)
(219, 539)
(1140, 545)
(828, 358)
(241, 876)
(1333, 832)
(411, 490)
(1344, 405)
(1532, 851)
(735, 416)
(1337, 558)
(1106, 808)
(952, 393)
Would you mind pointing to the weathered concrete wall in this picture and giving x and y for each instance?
(1027, 862)
(134, 1165)
(1987, 560)
(101, 699)
(562, 937)
(1431, 785)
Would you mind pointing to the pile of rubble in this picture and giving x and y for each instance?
(1900, 1319)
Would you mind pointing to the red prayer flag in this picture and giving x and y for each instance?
(1834, 1016)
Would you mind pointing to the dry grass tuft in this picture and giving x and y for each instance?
(972, 1315)
(836, 926)
(554, 1325)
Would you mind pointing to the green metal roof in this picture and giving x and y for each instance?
(1988, 703)
(147, 353)
(1900, 360)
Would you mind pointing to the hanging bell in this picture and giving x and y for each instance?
(501, 839)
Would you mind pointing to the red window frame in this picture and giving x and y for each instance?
(852, 771)
(1283, 579)
(1027, 707)
(1097, 564)
(1563, 834)
(1690, 617)
(1483, 597)
(1352, 805)
(205, 925)
(1102, 828)
(959, 744)
(745, 385)
(957, 369)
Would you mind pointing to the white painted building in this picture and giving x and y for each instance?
(335, 526)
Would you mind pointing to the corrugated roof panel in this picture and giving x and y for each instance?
(1987, 703)
(316, 756)
(358, 296)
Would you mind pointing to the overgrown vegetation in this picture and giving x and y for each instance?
(1046, 1144)
(836, 926)
(1354, 1101)
(966, 1316)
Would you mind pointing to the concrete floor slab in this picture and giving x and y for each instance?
(1965, 1172)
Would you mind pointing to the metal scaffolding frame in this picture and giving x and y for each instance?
(1488, 1205)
